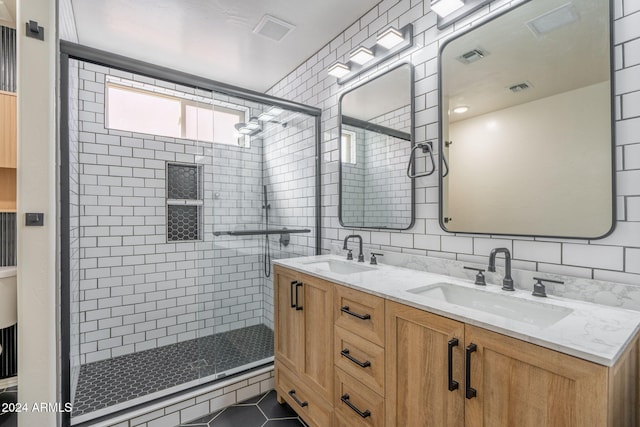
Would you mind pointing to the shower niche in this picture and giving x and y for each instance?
(175, 213)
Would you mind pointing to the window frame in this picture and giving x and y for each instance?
(353, 146)
(240, 111)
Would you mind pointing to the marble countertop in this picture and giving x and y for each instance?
(590, 331)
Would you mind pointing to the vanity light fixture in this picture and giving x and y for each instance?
(275, 111)
(461, 109)
(252, 125)
(339, 70)
(389, 38)
(265, 117)
(361, 55)
(389, 42)
(446, 7)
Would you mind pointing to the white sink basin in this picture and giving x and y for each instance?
(340, 267)
(531, 312)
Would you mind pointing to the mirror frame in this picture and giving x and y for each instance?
(612, 98)
(413, 142)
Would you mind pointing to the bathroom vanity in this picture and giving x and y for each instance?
(361, 345)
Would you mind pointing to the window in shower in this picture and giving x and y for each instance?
(348, 145)
(167, 112)
(184, 202)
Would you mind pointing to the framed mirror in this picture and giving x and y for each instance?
(526, 123)
(376, 136)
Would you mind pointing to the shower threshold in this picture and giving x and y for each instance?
(112, 385)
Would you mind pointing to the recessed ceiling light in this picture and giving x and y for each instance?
(445, 7)
(361, 55)
(390, 38)
(461, 109)
(339, 70)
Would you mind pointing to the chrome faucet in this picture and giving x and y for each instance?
(357, 236)
(507, 282)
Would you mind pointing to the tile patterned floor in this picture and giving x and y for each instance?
(261, 411)
(108, 382)
(9, 395)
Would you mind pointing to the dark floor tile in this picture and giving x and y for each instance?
(236, 416)
(293, 422)
(273, 409)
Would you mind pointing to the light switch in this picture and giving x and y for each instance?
(34, 219)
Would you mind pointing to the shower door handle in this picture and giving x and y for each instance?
(298, 307)
(293, 283)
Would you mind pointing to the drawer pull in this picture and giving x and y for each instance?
(346, 354)
(453, 385)
(345, 309)
(292, 393)
(293, 304)
(298, 306)
(470, 392)
(345, 400)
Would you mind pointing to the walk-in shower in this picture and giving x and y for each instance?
(171, 220)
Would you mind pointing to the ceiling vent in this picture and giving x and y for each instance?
(520, 87)
(472, 56)
(554, 19)
(273, 28)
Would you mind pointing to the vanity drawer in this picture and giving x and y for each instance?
(313, 409)
(360, 313)
(360, 358)
(356, 404)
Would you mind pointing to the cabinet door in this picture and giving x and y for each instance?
(317, 360)
(524, 385)
(417, 380)
(288, 321)
(8, 123)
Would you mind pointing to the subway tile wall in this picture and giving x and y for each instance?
(74, 225)
(614, 258)
(138, 291)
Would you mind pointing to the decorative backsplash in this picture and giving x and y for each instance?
(596, 291)
(7, 239)
(7, 59)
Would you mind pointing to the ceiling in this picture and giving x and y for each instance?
(215, 38)
(569, 57)
(8, 13)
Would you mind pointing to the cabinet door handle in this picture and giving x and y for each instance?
(345, 309)
(345, 400)
(470, 392)
(292, 393)
(298, 306)
(453, 385)
(291, 293)
(346, 354)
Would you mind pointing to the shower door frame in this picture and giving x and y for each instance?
(78, 52)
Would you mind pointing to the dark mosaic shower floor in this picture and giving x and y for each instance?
(109, 382)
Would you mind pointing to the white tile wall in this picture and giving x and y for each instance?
(138, 291)
(610, 259)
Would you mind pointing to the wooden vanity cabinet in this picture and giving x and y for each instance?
(514, 383)
(304, 344)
